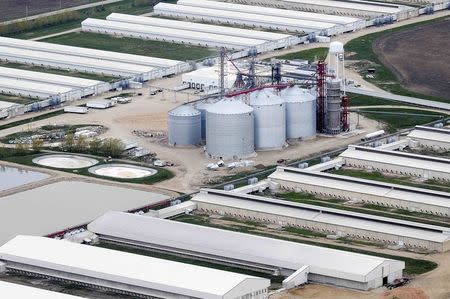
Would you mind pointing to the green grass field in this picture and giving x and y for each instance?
(132, 46)
(361, 49)
(16, 99)
(362, 100)
(310, 54)
(396, 118)
(35, 68)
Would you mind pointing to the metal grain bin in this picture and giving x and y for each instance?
(184, 126)
(300, 113)
(230, 129)
(334, 103)
(270, 120)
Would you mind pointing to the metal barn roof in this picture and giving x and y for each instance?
(397, 158)
(47, 78)
(12, 290)
(299, 25)
(430, 133)
(299, 15)
(346, 183)
(240, 246)
(324, 215)
(166, 34)
(88, 53)
(131, 269)
(354, 5)
(199, 27)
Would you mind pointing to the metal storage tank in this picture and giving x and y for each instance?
(230, 129)
(334, 102)
(300, 113)
(270, 120)
(184, 125)
(202, 107)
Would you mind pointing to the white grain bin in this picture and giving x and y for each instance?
(300, 113)
(230, 129)
(202, 107)
(270, 120)
(184, 125)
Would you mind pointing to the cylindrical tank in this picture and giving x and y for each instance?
(300, 112)
(336, 60)
(270, 120)
(202, 107)
(334, 102)
(184, 126)
(230, 129)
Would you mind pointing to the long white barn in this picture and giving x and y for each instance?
(86, 86)
(268, 11)
(198, 27)
(240, 18)
(125, 273)
(427, 167)
(368, 191)
(431, 138)
(168, 34)
(324, 220)
(322, 265)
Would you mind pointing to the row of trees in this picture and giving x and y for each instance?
(109, 147)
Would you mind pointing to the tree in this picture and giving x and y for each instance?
(95, 146)
(37, 144)
(112, 147)
(81, 144)
(68, 143)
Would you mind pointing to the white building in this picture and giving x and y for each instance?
(431, 138)
(324, 220)
(198, 27)
(367, 191)
(427, 167)
(208, 78)
(169, 34)
(12, 290)
(79, 59)
(242, 18)
(125, 273)
(319, 264)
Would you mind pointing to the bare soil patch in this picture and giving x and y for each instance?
(419, 57)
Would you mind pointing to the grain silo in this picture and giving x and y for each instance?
(184, 126)
(300, 113)
(270, 120)
(230, 129)
(334, 102)
(202, 107)
(336, 60)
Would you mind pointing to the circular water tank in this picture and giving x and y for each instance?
(270, 120)
(336, 47)
(184, 125)
(300, 112)
(202, 107)
(230, 129)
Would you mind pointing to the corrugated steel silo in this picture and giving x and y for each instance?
(184, 125)
(334, 103)
(230, 129)
(300, 113)
(270, 120)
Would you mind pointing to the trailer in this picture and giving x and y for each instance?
(76, 109)
(101, 104)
